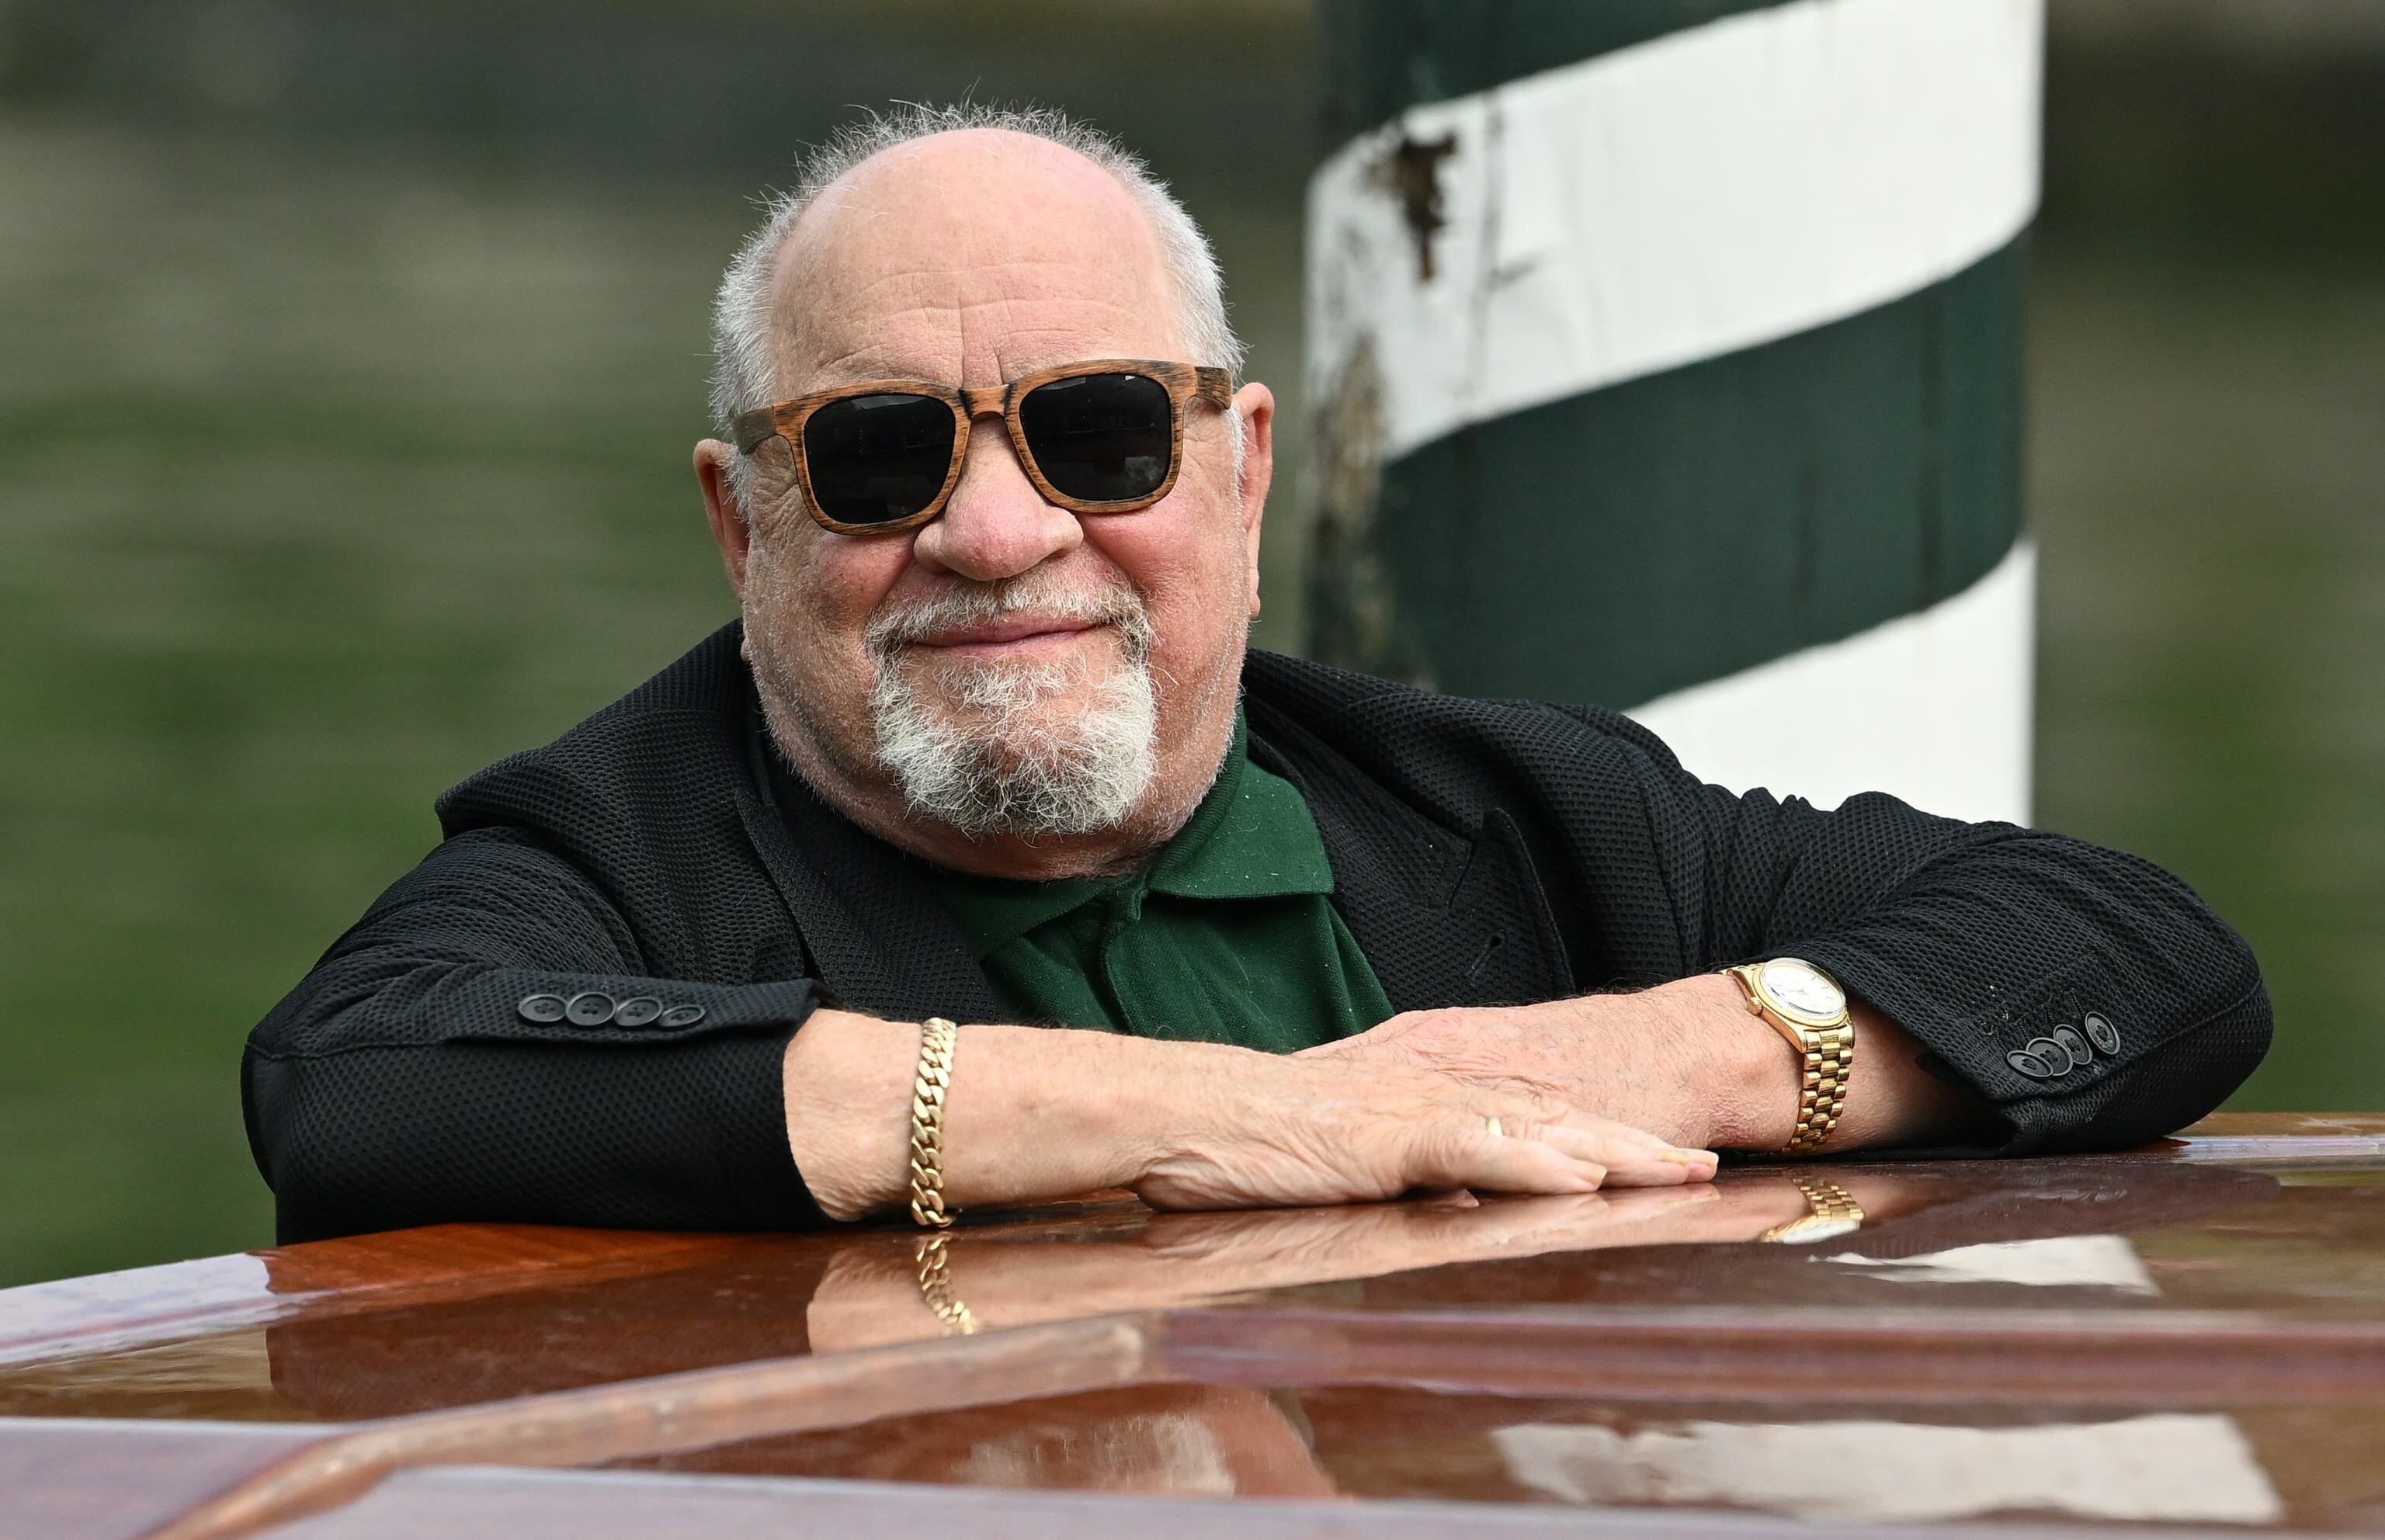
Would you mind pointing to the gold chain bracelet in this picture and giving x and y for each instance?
(936, 1286)
(937, 1038)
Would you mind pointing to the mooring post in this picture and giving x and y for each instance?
(1665, 354)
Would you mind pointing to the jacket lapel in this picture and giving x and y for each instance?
(1443, 919)
(877, 936)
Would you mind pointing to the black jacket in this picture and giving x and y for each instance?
(1483, 851)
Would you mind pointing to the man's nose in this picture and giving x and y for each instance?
(997, 525)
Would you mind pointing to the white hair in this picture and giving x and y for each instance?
(980, 763)
(745, 372)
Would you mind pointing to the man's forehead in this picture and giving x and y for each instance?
(980, 255)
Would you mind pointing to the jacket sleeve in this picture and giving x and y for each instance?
(1979, 939)
(421, 1074)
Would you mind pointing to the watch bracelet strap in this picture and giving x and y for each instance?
(1830, 1056)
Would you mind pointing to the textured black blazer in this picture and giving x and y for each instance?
(1482, 853)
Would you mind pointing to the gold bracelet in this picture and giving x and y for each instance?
(937, 1038)
(936, 1286)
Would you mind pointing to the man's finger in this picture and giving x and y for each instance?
(1628, 1163)
(1473, 1157)
(1631, 1160)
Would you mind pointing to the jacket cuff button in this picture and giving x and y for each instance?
(541, 1008)
(2057, 1058)
(683, 1015)
(637, 1011)
(2029, 1065)
(592, 1008)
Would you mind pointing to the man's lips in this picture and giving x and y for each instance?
(1009, 631)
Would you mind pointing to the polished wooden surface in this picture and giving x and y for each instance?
(507, 1505)
(2194, 1333)
(92, 1480)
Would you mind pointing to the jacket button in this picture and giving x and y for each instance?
(637, 1011)
(592, 1008)
(541, 1008)
(2102, 1033)
(2057, 1057)
(2029, 1065)
(683, 1015)
(2075, 1046)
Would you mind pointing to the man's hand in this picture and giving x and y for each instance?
(1686, 1060)
(1268, 1132)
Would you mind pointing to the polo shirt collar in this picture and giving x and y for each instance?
(1251, 837)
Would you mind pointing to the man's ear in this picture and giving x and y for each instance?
(1254, 408)
(730, 531)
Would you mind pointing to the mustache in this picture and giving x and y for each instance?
(969, 602)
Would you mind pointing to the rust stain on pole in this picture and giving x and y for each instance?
(1411, 172)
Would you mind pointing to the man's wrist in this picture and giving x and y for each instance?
(1755, 1074)
(847, 1086)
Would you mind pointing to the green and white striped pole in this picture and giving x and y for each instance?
(1667, 355)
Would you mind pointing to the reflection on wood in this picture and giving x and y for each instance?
(509, 1505)
(682, 1411)
(1797, 1356)
(113, 1481)
(2224, 1292)
(217, 1293)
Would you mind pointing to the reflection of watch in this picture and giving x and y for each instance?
(1807, 1006)
(1831, 1212)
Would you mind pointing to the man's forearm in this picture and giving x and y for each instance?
(1017, 1127)
(1034, 1113)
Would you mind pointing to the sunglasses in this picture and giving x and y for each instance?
(1104, 437)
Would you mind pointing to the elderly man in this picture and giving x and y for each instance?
(1224, 928)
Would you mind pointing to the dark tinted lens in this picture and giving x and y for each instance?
(876, 459)
(1099, 438)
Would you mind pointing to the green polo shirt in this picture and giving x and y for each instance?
(1225, 936)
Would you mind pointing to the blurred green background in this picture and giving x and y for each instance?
(350, 355)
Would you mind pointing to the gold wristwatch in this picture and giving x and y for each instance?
(1807, 1006)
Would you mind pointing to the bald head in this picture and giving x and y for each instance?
(971, 256)
(983, 168)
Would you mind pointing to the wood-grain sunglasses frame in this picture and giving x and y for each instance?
(1183, 382)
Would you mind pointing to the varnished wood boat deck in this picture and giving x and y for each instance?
(2179, 1337)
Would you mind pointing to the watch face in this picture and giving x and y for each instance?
(1802, 988)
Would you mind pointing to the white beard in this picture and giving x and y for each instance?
(979, 759)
